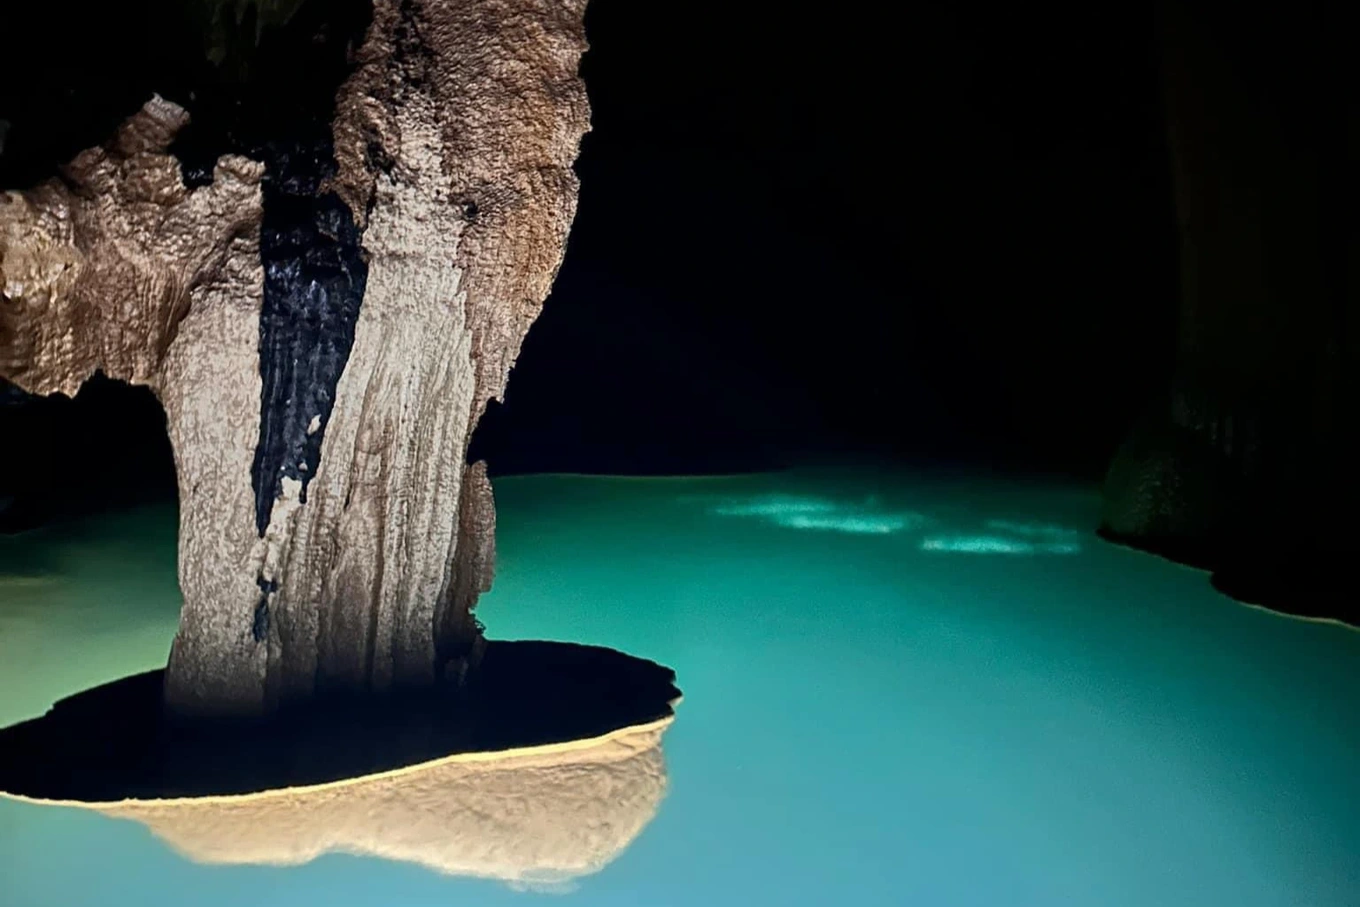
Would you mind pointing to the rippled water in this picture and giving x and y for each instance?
(898, 690)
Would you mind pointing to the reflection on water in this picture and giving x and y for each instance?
(854, 523)
(543, 770)
(864, 722)
(1018, 538)
(774, 506)
(867, 517)
(995, 544)
(824, 514)
(115, 742)
(1045, 531)
(535, 817)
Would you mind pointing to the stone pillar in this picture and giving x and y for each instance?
(324, 329)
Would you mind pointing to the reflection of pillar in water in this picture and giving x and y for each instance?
(532, 816)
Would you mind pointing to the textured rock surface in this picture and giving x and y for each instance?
(101, 266)
(120, 267)
(454, 138)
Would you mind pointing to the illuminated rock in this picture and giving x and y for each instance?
(324, 317)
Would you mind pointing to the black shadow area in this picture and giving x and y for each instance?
(113, 742)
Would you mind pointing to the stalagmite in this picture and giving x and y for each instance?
(324, 323)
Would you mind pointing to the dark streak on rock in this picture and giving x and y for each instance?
(314, 283)
(259, 626)
(273, 101)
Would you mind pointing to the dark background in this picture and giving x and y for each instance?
(945, 235)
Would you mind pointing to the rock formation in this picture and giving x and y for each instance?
(1246, 469)
(324, 314)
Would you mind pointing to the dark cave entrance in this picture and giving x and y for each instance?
(63, 457)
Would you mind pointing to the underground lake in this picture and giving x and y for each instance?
(899, 688)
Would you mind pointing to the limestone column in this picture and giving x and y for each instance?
(324, 328)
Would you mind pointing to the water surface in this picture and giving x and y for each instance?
(898, 690)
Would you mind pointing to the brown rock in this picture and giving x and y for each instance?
(455, 136)
(99, 267)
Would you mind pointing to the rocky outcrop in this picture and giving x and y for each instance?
(1245, 468)
(324, 318)
(101, 267)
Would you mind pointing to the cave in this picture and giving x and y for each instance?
(958, 400)
(1241, 467)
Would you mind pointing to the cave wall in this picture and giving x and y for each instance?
(324, 315)
(1245, 468)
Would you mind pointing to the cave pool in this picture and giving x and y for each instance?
(899, 689)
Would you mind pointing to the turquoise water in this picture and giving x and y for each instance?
(897, 691)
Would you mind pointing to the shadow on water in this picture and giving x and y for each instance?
(545, 769)
(113, 742)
